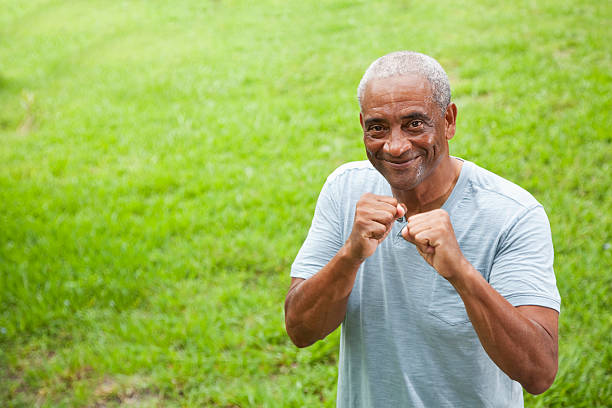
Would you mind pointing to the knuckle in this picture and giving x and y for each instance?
(364, 198)
(368, 197)
(387, 217)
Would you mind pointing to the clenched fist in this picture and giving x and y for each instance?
(374, 217)
(434, 237)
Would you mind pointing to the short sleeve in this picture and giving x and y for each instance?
(324, 238)
(522, 271)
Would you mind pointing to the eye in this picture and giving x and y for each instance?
(376, 128)
(415, 123)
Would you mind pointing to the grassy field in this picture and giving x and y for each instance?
(160, 162)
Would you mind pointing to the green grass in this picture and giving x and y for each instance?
(159, 165)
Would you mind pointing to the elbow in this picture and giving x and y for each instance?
(300, 336)
(538, 387)
(540, 382)
(301, 343)
(299, 339)
(297, 331)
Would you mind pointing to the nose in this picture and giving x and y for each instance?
(397, 143)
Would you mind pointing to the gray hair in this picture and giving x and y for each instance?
(406, 63)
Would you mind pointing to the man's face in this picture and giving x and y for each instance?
(404, 131)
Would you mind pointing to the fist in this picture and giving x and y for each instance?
(374, 217)
(433, 235)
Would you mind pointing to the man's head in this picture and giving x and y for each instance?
(401, 63)
(407, 118)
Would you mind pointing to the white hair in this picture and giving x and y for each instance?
(406, 63)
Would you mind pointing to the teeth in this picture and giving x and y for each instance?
(402, 162)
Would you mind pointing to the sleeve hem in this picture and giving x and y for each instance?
(301, 274)
(525, 299)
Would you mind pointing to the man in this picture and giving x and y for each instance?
(440, 272)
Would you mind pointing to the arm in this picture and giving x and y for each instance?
(522, 341)
(315, 307)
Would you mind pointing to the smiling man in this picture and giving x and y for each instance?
(440, 272)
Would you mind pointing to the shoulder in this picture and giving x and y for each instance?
(351, 180)
(500, 191)
(353, 170)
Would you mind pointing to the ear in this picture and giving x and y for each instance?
(450, 119)
(361, 120)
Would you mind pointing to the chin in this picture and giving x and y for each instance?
(400, 181)
(404, 185)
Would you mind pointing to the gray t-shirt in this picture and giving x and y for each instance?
(406, 340)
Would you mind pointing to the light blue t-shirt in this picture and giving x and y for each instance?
(406, 340)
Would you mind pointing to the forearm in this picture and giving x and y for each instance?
(316, 307)
(521, 347)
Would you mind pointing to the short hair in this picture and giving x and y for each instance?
(406, 63)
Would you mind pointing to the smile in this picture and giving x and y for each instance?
(403, 164)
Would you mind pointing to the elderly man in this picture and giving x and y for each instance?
(440, 272)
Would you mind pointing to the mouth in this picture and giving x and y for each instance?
(401, 164)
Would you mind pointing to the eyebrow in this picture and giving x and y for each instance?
(414, 115)
(417, 115)
(374, 120)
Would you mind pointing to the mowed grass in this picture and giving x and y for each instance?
(160, 162)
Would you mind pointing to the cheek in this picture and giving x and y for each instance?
(426, 142)
(373, 145)
(437, 147)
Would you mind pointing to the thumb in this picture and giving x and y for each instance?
(426, 248)
(401, 210)
(423, 247)
(405, 234)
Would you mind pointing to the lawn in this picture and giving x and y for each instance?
(160, 162)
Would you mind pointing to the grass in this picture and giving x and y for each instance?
(159, 165)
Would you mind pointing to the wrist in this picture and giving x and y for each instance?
(463, 275)
(348, 255)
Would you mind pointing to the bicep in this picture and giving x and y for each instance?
(522, 271)
(324, 237)
(545, 317)
(294, 283)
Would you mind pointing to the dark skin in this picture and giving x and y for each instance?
(406, 138)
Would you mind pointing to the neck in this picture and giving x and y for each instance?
(432, 192)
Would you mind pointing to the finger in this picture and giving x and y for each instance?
(429, 216)
(372, 222)
(425, 249)
(381, 239)
(376, 230)
(388, 207)
(369, 197)
(382, 213)
(401, 210)
(406, 234)
(419, 219)
(415, 228)
(425, 239)
(384, 217)
(386, 199)
(424, 246)
(373, 204)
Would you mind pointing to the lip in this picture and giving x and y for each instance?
(401, 165)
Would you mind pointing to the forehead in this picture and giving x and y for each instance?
(397, 90)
